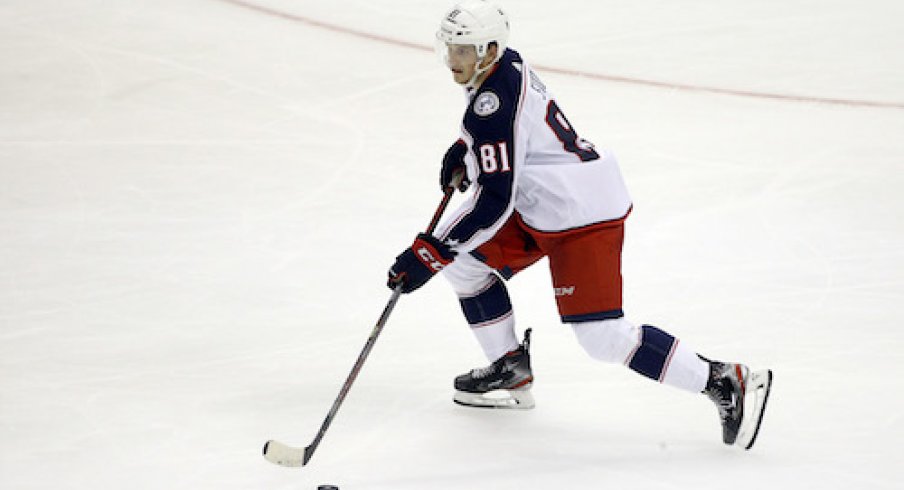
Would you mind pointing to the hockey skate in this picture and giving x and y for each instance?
(505, 383)
(740, 396)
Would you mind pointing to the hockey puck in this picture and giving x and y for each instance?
(327, 487)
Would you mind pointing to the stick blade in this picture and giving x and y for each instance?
(285, 455)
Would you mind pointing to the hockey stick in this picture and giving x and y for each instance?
(285, 455)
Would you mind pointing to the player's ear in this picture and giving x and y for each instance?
(492, 51)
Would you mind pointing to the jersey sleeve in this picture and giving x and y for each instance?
(490, 141)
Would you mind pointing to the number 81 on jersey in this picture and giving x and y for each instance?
(494, 157)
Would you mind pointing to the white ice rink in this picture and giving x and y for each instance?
(199, 200)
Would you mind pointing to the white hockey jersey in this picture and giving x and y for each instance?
(525, 156)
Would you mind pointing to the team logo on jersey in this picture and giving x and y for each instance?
(486, 104)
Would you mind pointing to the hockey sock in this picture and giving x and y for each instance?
(662, 357)
(489, 312)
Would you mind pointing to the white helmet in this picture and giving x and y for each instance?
(474, 22)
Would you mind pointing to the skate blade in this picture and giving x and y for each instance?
(756, 395)
(520, 399)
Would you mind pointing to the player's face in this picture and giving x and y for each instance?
(462, 60)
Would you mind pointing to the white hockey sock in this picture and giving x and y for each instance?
(489, 313)
(686, 371)
(497, 338)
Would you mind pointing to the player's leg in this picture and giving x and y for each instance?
(487, 308)
(485, 304)
(586, 270)
(646, 350)
(484, 300)
(739, 395)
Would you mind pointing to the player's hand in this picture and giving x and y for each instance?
(453, 163)
(419, 262)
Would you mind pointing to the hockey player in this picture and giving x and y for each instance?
(537, 189)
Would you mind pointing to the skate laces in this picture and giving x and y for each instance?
(723, 401)
(498, 365)
(721, 392)
(483, 372)
(480, 373)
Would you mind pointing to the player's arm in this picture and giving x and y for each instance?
(488, 134)
(488, 139)
(491, 203)
(428, 255)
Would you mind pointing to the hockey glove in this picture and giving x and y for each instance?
(454, 163)
(419, 262)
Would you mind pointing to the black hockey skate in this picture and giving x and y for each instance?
(505, 383)
(740, 396)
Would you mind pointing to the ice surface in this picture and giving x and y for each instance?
(199, 200)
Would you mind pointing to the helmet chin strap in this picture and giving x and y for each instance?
(478, 71)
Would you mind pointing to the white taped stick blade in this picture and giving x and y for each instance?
(756, 395)
(284, 455)
(520, 399)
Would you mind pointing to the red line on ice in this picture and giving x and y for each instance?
(578, 73)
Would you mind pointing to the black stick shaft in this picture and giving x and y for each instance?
(309, 451)
(396, 293)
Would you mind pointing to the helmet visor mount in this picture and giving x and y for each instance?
(472, 25)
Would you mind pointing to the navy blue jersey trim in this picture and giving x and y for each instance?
(593, 317)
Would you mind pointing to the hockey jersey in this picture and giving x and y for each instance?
(525, 156)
